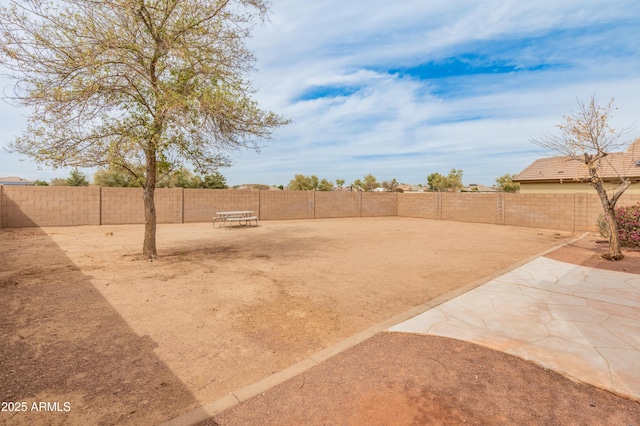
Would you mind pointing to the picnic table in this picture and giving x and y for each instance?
(242, 217)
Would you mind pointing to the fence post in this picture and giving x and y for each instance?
(1, 203)
(500, 208)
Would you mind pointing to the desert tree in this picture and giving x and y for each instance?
(390, 185)
(586, 136)
(114, 176)
(214, 180)
(77, 178)
(507, 184)
(130, 83)
(325, 185)
(450, 183)
(309, 183)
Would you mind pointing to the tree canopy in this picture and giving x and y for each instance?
(77, 178)
(139, 84)
(507, 184)
(309, 183)
(450, 183)
(367, 183)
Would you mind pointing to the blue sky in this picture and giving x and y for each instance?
(404, 89)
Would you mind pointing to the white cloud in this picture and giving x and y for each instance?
(407, 126)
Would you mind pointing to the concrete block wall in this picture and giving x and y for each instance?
(169, 205)
(568, 212)
(287, 205)
(24, 206)
(122, 206)
(554, 211)
(376, 204)
(465, 207)
(201, 205)
(337, 204)
(426, 205)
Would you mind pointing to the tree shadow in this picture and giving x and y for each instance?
(64, 345)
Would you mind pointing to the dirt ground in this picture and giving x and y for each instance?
(93, 334)
(404, 379)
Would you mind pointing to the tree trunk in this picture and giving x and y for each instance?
(149, 247)
(614, 242)
(609, 210)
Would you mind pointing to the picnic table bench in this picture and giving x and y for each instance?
(242, 217)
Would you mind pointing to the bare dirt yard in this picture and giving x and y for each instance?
(90, 333)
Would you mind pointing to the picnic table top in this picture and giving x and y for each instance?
(235, 212)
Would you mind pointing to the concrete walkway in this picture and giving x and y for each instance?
(582, 322)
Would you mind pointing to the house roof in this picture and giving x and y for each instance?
(474, 187)
(567, 169)
(15, 180)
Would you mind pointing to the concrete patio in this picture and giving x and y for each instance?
(582, 322)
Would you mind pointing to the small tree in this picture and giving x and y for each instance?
(303, 183)
(369, 182)
(114, 176)
(77, 178)
(586, 136)
(340, 183)
(59, 182)
(214, 180)
(450, 183)
(390, 185)
(507, 184)
(325, 185)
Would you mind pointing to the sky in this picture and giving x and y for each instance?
(408, 88)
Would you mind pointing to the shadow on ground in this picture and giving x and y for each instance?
(66, 356)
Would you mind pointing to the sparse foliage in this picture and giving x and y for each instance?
(586, 136)
(507, 184)
(449, 183)
(390, 185)
(325, 185)
(132, 83)
(59, 182)
(369, 182)
(303, 183)
(114, 176)
(309, 183)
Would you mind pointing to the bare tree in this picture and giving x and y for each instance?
(131, 83)
(586, 136)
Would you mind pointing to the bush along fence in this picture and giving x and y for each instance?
(72, 206)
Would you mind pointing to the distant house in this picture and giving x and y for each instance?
(15, 180)
(474, 187)
(410, 188)
(260, 186)
(564, 175)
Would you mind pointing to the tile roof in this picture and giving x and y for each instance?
(558, 169)
(15, 180)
